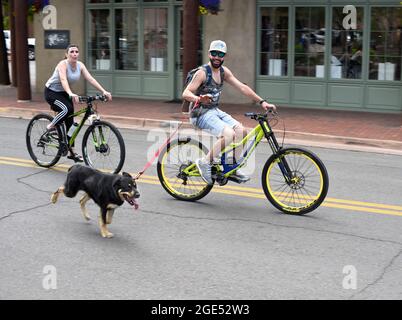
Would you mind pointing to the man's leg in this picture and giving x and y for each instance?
(204, 164)
(227, 137)
(240, 133)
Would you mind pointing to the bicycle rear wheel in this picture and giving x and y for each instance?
(44, 148)
(306, 185)
(177, 171)
(103, 147)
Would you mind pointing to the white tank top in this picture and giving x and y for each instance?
(54, 82)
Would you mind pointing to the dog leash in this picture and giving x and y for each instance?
(149, 163)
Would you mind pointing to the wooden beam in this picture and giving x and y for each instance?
(190, 36)
(21, 39)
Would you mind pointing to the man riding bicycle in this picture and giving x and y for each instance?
(208, 116)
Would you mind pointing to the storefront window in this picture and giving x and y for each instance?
(155, 39)
(310, 42)
(98, 1)
(274, 41)
(347, 46)
(99, 39)
(126, 37)
(385, 43)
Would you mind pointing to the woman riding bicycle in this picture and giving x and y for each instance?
(59, 95)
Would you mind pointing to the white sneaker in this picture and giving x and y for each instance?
(204, 168)
(241, 176)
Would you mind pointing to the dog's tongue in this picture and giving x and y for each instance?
(133, 202)
(136, 205)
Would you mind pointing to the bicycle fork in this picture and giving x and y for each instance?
(99, 143)
(276, 148)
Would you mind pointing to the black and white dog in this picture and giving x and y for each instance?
(108, 191)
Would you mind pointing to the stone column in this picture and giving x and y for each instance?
(70, 16)
(236, 25)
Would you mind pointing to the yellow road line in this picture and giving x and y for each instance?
(248, 192)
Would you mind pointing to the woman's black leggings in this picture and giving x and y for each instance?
(61, 103)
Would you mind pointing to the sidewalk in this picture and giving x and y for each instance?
(377, 132)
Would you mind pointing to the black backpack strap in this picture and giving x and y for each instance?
(208, 72)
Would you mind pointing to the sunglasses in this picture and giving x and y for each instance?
(220, 54)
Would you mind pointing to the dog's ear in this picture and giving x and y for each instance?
(116, 184)
(126, 174)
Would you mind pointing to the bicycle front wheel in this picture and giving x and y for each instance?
(44, 148)
(103, 147)
(177, 171)
(295, 181)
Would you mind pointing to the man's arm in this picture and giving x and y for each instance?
(246, 90)
(196, 82)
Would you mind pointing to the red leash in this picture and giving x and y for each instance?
(149, 163)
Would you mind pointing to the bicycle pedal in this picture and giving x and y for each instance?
(64, 151)
(238, 179)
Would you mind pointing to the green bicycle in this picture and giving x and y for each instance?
(294, 180)
(102, 144)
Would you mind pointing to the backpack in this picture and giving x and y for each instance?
(185, 106)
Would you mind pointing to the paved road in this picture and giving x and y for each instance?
(231, 245)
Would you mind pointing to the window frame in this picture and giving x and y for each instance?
(369, 46)
(140, 5)
(258, 41)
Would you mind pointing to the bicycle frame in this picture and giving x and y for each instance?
(88, 111)
(263, 129)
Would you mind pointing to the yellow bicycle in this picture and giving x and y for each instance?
(294, 180)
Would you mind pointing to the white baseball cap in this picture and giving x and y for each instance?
(218, 45)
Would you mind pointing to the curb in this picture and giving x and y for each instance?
(291, 137)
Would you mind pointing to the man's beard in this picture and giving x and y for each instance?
(216, 63)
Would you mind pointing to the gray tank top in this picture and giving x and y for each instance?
(54, 82)
(214, 89)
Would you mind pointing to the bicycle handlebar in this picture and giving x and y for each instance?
(89, 99)
(257, 116)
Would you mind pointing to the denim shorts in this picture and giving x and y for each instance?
(214, 121)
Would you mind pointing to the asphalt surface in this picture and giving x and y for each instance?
(230, 245)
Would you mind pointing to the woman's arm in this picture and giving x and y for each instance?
(93, 81)
(62, 69)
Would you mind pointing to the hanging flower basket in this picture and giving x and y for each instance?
(210, 6)
(37, 5)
